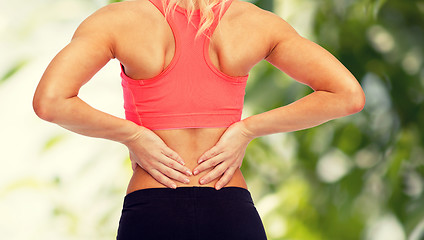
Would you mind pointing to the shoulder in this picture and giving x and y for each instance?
(246, 9)
(272, 28)
(107, 24)
(114, 16)
(260, 19)
(255, 13)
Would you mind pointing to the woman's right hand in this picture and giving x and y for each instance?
(151, 153)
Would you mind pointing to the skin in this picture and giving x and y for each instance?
(166, 158)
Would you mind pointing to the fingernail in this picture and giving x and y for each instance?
(202, 181)
(200, 160)
(189, 173)
(196, 172)
(186, 180)
(174, 186)
(218, 187)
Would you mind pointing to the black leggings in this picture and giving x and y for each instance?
(190, 213)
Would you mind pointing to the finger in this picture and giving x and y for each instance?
(173, 155)
(209, 154)
(133, 161)
(171, 173)
(133, 165)
(174, 165)
(228, 175)
(162, 178)
(213, 174)
(212, 162)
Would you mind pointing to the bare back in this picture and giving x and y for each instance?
(233, 50)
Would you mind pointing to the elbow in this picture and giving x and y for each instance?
(43, 108)
(354, 101)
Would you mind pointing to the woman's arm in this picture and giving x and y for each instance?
(56, 97)
(337, 93)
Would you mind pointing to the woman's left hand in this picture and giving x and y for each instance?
(226, 156)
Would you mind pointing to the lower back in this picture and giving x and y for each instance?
(190, 144)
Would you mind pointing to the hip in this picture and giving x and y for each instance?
(190, 213)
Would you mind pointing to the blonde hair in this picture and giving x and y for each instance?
(206, 13)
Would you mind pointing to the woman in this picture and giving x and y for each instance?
(183, 77)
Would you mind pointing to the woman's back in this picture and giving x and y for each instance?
(146, 46)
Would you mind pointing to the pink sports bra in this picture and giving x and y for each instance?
(190, 92)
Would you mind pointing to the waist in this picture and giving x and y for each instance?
(190, 144)
(143, 180)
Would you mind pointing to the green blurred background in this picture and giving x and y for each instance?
(358, 177)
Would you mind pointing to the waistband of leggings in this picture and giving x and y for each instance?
(190, 192)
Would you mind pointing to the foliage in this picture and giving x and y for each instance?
(14, 69)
